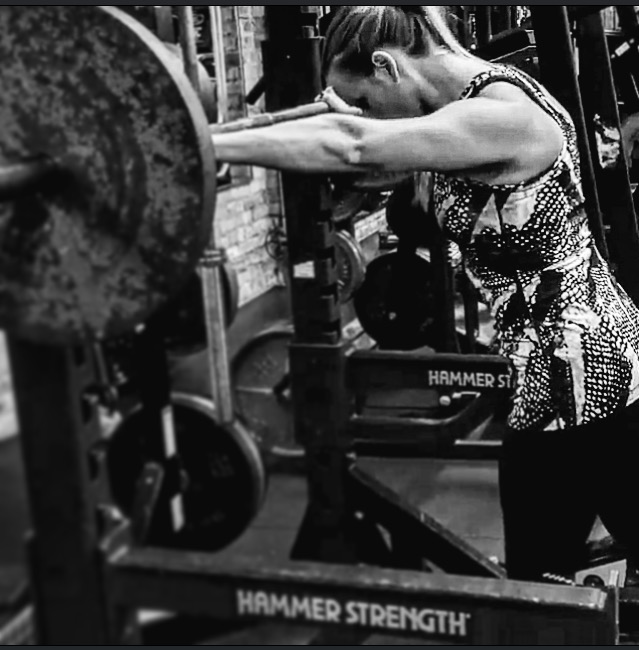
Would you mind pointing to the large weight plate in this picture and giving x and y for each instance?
(223, 478)
(262, 390)
(123, 229)
(394, 304)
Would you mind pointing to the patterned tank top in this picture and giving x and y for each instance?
(569, 329)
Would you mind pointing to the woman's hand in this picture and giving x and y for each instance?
(337, 104)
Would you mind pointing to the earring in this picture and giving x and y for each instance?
(384, 61)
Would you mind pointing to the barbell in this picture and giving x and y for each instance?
(107, 172)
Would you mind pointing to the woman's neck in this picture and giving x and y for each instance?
(443, 77)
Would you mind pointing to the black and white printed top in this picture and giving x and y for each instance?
(570, 330)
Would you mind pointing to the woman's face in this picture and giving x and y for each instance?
(378, 95)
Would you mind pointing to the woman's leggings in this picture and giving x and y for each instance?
(554, 485)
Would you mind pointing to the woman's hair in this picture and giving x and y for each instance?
(357, 32)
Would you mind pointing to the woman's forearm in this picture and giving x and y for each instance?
(323, 144)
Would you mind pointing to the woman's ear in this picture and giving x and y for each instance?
(386, 64)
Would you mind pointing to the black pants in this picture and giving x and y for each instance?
(554, 485)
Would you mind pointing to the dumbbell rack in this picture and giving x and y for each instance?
(89, 576)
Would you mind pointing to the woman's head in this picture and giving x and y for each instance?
(369, 49)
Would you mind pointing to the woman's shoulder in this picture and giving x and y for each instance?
(509, 82)
(548, 129)
(507, 91)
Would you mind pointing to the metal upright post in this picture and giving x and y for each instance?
(483, 24)
(501, 19)
(318, 360)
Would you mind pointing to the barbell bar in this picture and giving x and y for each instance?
(21, 177)
(270, 119)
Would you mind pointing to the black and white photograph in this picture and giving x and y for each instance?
(319, 325)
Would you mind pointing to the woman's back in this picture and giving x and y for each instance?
(570, 330)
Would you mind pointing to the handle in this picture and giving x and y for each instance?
(269, 119)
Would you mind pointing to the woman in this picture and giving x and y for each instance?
(507, 190)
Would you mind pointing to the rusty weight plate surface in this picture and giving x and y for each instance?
(121, 231)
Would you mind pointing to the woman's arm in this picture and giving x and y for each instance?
(319, 144)
(464, 135)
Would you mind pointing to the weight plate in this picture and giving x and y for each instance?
(351, 265)
(183, 320)
(122, 228)
(223, 482)
(394, 304)
(261, 385)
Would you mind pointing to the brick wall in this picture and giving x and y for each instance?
(243, 222)
(246, 210)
